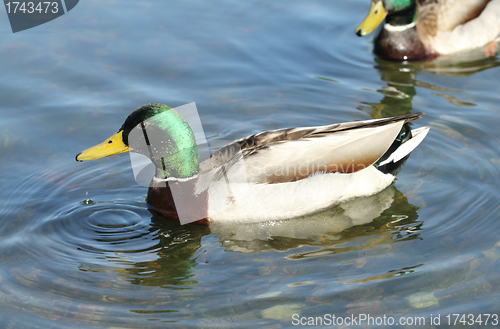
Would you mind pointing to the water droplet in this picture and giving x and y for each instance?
(87, 202)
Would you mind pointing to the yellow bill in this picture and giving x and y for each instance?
(375, 16)
(111, 146)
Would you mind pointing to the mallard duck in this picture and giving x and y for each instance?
(271, 175)
(424, 29)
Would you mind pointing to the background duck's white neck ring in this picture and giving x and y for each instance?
(398, 28)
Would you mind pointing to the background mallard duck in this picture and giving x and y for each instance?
(428, 28)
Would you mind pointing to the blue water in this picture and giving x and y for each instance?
(80, 249)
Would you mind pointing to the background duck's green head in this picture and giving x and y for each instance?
(397, 12)
(158, 132)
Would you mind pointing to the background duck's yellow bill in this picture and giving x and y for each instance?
(375, 16)
(111, 146)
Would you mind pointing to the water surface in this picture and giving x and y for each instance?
(79, 248)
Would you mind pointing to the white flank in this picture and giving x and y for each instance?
(247, 202)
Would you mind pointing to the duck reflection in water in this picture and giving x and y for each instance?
(380, 219)
(402, 82)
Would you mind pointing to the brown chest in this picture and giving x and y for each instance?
(177, 200)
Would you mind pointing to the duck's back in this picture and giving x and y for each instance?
(448, 26)
(457, 12)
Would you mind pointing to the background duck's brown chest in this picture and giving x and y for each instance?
(400, 46)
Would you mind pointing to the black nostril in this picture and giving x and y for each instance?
(358, 33)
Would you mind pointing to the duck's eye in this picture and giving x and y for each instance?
(376, 11)
(110, 142)
(144, 125)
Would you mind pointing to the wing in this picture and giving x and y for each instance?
(295, 153)
(474, 33)
(452, 13)
(442, 16)
(451, 26)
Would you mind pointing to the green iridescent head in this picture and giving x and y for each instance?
(395, 12)
(394, 6)
(158, 132)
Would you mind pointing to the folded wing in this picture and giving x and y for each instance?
(288, 155)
